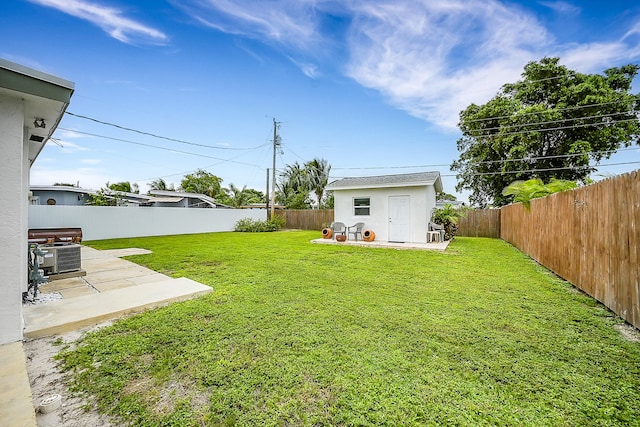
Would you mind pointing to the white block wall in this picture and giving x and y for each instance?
(109, 222)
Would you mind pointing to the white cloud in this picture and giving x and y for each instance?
(93, 179)
(290, 22)
(109, 19)
(70, 147)
(431, 58)
(562, 7)
(91, 161)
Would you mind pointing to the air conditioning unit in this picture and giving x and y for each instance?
(60, 258)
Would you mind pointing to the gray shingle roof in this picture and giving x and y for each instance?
(401, 180)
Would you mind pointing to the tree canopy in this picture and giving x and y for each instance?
(202, 182)
(123, 186)
(554, 123)
(297, 182)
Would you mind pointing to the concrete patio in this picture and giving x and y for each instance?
(112, 288)
(434, 246)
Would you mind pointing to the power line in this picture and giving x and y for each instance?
(577, 107)
(160, 148)
(546, 169)
(154, 135)
(490, 161)
(571, 119)
(531, 170)
(557, 128)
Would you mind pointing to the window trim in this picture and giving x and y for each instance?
(357, 208)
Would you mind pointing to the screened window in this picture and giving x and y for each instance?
(361, 206)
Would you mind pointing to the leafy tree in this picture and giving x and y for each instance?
(237, 197)
(124, 186)
(105, 197)
(524, 191)
(448, 216)
(160, 184)
(550, 124)
(202, 182)
(293, 188)
(318, 175)
(442, 196)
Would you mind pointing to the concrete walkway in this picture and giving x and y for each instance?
(435, 246)
(112, 288)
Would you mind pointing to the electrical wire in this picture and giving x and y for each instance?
(491, 161)
(557, 128)
(154, 135)
(571, 119)
(577, 107)
(161, 148)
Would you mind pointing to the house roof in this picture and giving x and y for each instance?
(61, 188)
(203, 197)
(45, 99)
(388, 181)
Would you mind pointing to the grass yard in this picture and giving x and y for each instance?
(297, 334)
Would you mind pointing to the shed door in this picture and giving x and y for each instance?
(399, 218)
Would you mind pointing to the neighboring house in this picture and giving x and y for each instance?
(32, 104)
(63, 195)
(59, 195)
(179, 199)
(396, 208)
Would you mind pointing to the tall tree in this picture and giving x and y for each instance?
(160, 184)
(293, 188)
(551, 124)
(202, 182)
(237, 197)
(123, 186)
(318, 175)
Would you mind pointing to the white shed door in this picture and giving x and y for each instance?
(399, 218)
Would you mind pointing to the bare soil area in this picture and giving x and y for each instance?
(47, 379)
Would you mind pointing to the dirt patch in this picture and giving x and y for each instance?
(46, 379)
(628, 332)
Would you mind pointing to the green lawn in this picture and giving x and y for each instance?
(317, 335)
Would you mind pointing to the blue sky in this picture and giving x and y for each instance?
(372, 86)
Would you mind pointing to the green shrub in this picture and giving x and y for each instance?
(257, 226)
(448, 216)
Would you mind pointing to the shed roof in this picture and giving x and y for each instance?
(389, 181)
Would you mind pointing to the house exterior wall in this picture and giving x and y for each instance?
(422, 201)
(61, 197)
(109, 222)
(14, 175)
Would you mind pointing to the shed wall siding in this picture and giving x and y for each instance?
(423, 200)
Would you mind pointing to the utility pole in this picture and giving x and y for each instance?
(267, 195)
(276, 144)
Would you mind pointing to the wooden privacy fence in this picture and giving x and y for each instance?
(307, 219)
(588, 236)
(480, 223)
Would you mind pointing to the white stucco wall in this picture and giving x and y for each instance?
(422, 201)
(14, 175)
(110, 222)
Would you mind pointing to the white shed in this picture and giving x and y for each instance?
(31, 106)
(397, 208)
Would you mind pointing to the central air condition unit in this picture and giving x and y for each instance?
(60, 258)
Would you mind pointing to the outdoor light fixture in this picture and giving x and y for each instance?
(39, 123)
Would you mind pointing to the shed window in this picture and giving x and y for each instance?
(361, 206)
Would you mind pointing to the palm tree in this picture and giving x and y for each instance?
(160, 184)
(318, 176)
